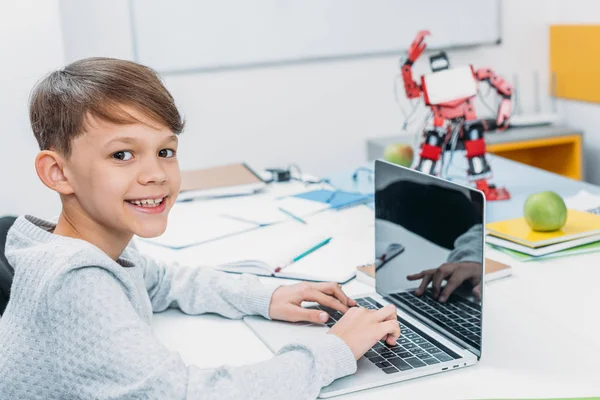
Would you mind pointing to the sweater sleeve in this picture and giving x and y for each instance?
(103, 350)
(198, 290)
(468, 246)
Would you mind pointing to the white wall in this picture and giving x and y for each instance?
(96, 28)
(31, 46)
(317, 115)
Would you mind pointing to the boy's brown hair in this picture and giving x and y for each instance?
(61, 102)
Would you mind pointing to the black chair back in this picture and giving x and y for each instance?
(6, 271)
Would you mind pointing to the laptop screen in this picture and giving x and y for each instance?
(429, 243)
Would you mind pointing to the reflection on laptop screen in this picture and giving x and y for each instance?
(429, 250)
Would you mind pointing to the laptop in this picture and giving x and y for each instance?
(422, 222)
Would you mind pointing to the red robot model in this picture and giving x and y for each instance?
(450, 93)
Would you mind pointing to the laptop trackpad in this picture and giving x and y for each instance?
(276, 334)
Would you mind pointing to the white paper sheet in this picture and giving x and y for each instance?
(189, 224)
(271, 211)
(583, 201)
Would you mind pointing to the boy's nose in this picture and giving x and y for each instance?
(152, 172)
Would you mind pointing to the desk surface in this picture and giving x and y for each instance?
(540, 325)
(524, 354)
(519, 179)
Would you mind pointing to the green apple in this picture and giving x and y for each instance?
(401, 154)
(545, 211)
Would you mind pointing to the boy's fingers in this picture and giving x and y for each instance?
(326, 300)
(392, 330)
(414, 277)
(438, 278)
(386, 313)
(340, 295)
(453, 283)
(335, 290)
(314, 316)
(477, 291)
(423, 285)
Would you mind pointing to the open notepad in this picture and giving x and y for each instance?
(330, 262)
(350, 243)
(261, 251)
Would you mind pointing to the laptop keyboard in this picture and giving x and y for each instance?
(459, 317)
(414, 349)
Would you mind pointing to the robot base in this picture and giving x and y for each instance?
(491, 192)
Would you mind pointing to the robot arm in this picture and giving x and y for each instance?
(413, 89)
(504, 89)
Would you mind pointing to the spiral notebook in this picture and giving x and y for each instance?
(330, 262)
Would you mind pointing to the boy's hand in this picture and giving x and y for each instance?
(455, 273)
(361, 328)
(286, 301)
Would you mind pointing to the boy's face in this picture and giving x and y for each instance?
(125, 177)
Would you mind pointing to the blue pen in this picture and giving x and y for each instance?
(304, 254)
(330, 198)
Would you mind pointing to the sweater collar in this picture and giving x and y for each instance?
(40, 231)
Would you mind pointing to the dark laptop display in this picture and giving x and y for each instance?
(429, 251)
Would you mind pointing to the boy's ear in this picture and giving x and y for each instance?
(49, 166)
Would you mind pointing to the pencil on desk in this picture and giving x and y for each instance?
(304, 254)
(330, 198)
(292, 215)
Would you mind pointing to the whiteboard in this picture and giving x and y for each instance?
(183, 35)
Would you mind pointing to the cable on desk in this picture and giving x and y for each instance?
(297, 169)
(370, 174)
(293, 172)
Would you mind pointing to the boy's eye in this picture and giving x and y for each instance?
(166, 153)
(123, 155)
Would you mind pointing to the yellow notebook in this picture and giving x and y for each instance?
(579, 224)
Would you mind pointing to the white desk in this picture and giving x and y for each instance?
(528, 350)
(534, 346)
(540, 337)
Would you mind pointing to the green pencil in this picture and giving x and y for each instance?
(292, 215)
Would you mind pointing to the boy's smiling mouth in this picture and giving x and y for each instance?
(149, 204)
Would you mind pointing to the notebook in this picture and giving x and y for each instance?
(579, 224)
(331, 262)
(543, 250)
(524, 257)
(493, 270)
(496, 270)
(224, 180)
(275, 211)
(335, 199)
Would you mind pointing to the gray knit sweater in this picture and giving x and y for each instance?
(78, 326)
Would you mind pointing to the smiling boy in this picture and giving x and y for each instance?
(78, 324)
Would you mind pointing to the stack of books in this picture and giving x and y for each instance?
(580, 234)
